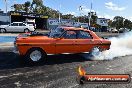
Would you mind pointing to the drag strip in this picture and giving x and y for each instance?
(60, 71)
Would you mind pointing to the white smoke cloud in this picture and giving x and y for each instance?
(120, 46)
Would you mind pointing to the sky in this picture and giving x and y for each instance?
(103, 8)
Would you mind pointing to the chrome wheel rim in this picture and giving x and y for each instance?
(36, 55)
(26, 30)
(2, 30)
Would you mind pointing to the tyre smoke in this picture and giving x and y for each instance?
(120, 46)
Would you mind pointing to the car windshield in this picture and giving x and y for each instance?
(55, 33)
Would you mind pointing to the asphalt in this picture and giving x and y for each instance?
(59, 71)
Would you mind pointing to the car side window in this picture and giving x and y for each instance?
(21, 24)
(14, 24)
(69, 35)
(84, 35)
(55, 33)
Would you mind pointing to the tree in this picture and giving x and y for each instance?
(110, 23)
(27, 5)
(18, 7)
(67, 16)
(37, 6)
(118, 22)
(127, 24)
(93, 17)
(38, 2)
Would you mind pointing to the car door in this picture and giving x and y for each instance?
(21, 27)
(84, 41)
(66, 44)
(12, 27)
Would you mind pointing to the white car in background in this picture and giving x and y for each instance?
(16, 27)
(31, 24)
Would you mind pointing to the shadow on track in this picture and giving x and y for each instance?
(9, 60)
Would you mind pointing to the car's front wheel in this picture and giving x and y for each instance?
(2, 30)
(35, 55)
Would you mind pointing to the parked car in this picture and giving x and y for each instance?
(113, 30)
(16, 27)
(31, 24)
(62, 40)
(122, 30)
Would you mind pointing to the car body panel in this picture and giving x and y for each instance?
(61, 45)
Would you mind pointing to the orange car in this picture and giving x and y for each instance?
(61, 40)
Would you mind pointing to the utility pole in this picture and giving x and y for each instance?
(80, 9)
(6, 5)
(59, 15)
(91, 6)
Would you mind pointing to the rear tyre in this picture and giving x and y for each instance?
(2, 30)
(95, 51)
(26, 30)
(35, 56)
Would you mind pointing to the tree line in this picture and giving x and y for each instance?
(37, 6)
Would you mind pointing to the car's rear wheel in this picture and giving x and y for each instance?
(2, 30)
(35, 55)
(95, 51)
(26, 30)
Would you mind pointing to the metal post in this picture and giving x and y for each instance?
(59, 16)
(90, 14)
(10, 17)
(80, 9)
(6, 5)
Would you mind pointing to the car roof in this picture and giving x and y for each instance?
(17, 22)
(74, 28)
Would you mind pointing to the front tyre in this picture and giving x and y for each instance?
(35, 55)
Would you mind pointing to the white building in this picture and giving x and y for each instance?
(53, 23)
(4, 17)
(78, 24)
(103, 22)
